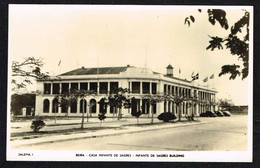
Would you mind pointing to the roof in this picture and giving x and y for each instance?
(94, 71)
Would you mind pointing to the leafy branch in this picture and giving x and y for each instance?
(237, 46)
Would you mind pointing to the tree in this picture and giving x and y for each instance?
(81, 94)
(178, 99)
(225, 104)
(237, 41)
(136, 114)
(24, 72)
(152, 100)
(102, 113)
(66, 99)
(119, 100)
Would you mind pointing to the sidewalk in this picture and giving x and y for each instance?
(122, 126)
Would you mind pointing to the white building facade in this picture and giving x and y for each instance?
(139, 81)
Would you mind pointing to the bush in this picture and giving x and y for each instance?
(136, 114)
(101, 116)
(166, 116)
(37, 125)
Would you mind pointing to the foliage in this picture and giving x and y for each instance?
(237, 45)
(136, 114)
(225, 104)
(102, 114)
(153, 99)
(24, 72)
(37, 125)
(166, 116)
(66, 99)
(20, 101)
(118, 98)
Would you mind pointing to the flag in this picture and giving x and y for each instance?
(205, 80)
(212, 76)
(59, 62)
(179, 70)
(195, 77)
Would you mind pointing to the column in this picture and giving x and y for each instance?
(108, 87)
(88, 86)
(59, 109)
(150, 88)
(78, 106)
(50, 109)
(141, 87)
(51, 88)
(98, 87)
(130, 86)
(60, 87)
(69, 111)
(97, 106)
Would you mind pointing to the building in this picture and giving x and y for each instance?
(103, 80)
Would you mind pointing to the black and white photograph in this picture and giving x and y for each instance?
(130, 83)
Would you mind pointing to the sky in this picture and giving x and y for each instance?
(141, 36)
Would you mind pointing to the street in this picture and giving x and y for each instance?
(218, 134)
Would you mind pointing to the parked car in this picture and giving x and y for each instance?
(219, 113)
(226, 113)
(208, 114)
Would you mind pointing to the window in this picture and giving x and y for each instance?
(47, 88)
(103, 87)
(154, 88)
(64, 88)
(164, 89)
(83, 102)
(169, 89)
(146, 87)
(74, 86)
(154, 108)
(113, 87)
(93, 87)
(64, 106)
(56, 88)
(136, 87)
(46, 106)
(83, 86)
(73, 107)
(55, 105)
(145, 106)
(93, 106)
(112, 109)
(164, 106)
(102, 106)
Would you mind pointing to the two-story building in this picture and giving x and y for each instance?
(104, 80)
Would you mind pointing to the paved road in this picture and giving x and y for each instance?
(220, 134)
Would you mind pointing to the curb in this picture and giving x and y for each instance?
(109, 134)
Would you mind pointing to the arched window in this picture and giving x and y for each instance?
(73, 107)
(102, 106)
(183, 108)
(64, 106)
(83, 101)
(169, 106)
(93, 106)
(164, 106)
(55, 105)
(46, 106)
(154, 108)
